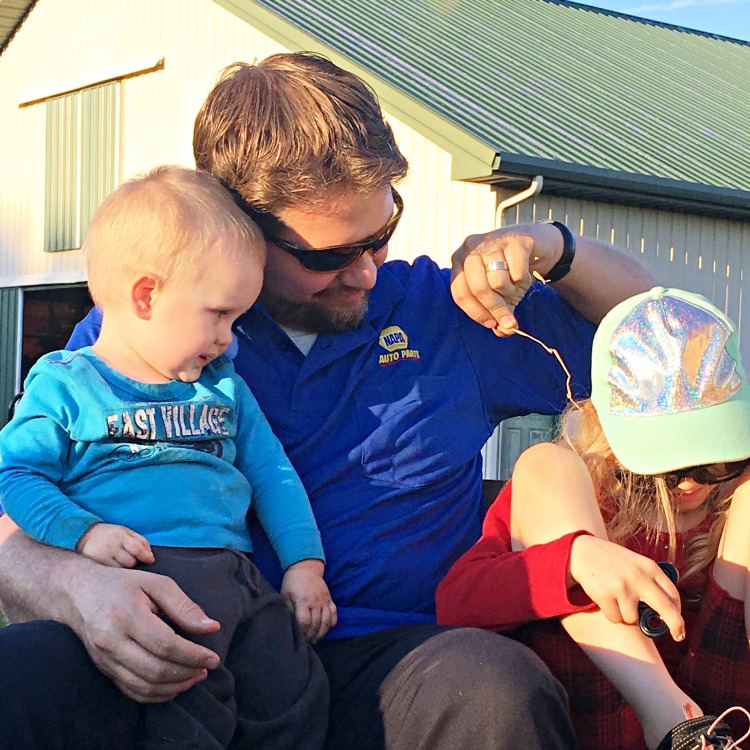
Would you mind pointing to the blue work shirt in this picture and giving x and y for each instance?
(385, 422)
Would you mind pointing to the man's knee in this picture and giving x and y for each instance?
(467, 664)
(469, 685)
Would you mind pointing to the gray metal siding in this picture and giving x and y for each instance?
(701, 254)
(81, 161)
(9, 303)
(99, 115)
(61, 184)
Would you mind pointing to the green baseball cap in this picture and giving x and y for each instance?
(668, 383)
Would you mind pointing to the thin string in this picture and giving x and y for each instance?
(554, 352)
(558, 357)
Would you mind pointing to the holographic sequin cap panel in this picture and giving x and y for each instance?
(668, 383)
(669, 357)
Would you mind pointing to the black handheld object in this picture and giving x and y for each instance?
(651, 624)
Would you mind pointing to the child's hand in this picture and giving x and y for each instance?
(308, 597)
(617, 579)
(116, 546)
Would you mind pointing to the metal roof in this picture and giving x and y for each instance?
(598, 101)
(12, 15)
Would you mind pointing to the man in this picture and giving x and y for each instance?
(382, 390)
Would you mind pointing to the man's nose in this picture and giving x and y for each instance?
(362, 274)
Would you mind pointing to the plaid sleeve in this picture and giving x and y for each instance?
(716, 671)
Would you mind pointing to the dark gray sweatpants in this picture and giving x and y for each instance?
(270, 691)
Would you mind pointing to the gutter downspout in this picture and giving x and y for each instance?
(492, 453)
(533, 189)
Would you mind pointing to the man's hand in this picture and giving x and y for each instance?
(114, 611)
(119, 619)
(116, 546)
(489, 296)
(308, 597)
(617, 579)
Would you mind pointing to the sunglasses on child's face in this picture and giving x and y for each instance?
(707, 474)
(338, 257)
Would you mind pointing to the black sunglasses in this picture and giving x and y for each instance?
(705, 474)
(338, 257)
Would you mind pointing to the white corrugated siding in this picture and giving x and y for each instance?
(69, 43)
(56, 52)
(697, 253)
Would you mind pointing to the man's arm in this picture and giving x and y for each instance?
(599, 277)
(115, 612)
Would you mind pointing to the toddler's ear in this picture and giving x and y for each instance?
(142, 296)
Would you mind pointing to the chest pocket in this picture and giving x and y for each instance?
(411, 432)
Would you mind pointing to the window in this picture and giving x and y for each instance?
(82, 135)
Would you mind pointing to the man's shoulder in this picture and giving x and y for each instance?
(87, 330)
(420, 269)
(400, 280)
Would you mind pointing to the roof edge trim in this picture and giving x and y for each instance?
(14, 30)
(607, 180)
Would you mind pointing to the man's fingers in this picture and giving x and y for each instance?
(158, 683)
(500, 318)
(496, 296)
(169, 599)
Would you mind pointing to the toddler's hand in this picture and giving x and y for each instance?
(116, 546)
(618, 579)
(308, 597)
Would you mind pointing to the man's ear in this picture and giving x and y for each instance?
(142, 296)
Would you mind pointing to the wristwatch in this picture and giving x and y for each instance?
(561, 268)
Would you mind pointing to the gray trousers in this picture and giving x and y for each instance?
(270, 691)
(426, 687)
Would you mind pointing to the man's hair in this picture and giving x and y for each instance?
(287, 130)
(160, 224)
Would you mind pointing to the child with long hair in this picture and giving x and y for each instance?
(652, 469)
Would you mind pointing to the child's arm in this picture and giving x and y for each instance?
(731, 569)
(309, 598)
(491, 586)
(283, 509)
(553, 494)
(541, 546)
(279, 499)
(116, 546)
(34, 449)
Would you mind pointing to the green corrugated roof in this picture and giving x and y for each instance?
(548, 83)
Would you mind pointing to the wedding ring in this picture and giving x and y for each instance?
(496, 265)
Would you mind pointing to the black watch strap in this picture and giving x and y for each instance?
(561, 268)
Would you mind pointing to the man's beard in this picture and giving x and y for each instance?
(315, 316)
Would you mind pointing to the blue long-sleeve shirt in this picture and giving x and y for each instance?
(177, 462)
(385, 422)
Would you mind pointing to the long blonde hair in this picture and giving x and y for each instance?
(627, 499)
